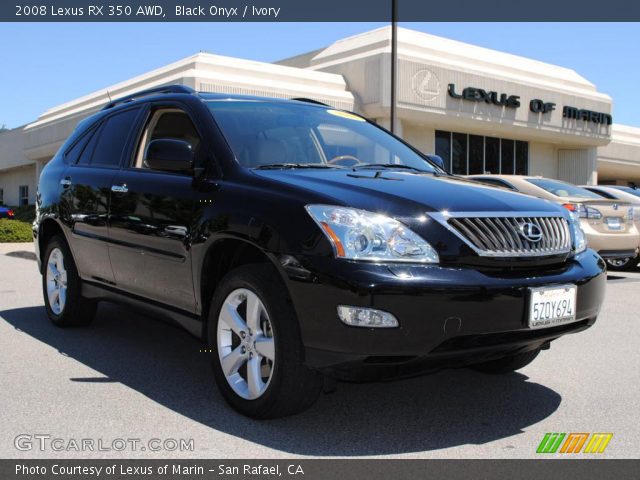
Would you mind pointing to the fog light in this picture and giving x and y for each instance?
(366, 317)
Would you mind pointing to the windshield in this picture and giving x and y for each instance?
(266, 134)
(562, 189)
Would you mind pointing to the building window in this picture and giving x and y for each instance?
(23, 196)
(465, 154)
(476, 154)
(1, 196)
(522, 158)
(507, 156)
(459, 152)
(443, 147)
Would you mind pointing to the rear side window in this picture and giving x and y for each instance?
(112, 139)
(73, 154)
(85, 156)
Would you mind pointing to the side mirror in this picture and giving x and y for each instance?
(170, 155)
(437, 159)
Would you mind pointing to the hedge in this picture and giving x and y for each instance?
(15, 231)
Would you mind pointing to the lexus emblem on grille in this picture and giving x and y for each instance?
(531, 232)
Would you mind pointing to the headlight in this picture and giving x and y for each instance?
(579, 240)
(361, 235)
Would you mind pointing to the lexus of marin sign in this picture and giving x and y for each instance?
(480, 95)
(536, 105)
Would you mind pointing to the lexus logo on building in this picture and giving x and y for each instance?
(426, 85)
(531, 232)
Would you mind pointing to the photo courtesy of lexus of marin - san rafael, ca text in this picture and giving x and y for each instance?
(289, 241)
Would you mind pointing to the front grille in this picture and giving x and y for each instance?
(514, 236)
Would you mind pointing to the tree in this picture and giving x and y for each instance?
(3, 128)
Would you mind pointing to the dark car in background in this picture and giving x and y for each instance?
(302, 242)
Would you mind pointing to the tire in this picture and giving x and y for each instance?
(253, 384)
(61, 287)
(622, 264)
(508, 364)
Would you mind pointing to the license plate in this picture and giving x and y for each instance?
(614, 223)
(552, 306)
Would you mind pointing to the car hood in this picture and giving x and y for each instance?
(406, 193)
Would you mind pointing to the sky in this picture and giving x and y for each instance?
(44, 65)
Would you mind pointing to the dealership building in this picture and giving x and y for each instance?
(480, 109)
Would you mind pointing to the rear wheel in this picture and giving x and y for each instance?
(508, 364)
(622, 264)
(257, 350)
(61, 285)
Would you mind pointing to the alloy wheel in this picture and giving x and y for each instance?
(246, 346)
(56, 277)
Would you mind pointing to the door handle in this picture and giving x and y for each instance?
(66, 182)
(120, 188)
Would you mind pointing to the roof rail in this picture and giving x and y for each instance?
(150, 91)
(310, 100)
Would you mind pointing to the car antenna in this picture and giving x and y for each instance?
(109, 95)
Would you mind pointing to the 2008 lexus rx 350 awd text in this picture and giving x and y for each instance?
(301, 243)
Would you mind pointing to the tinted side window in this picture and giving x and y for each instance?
(92, 138)
(113, 138)
(73, 154)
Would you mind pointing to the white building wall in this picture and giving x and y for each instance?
(11, 180)
(421, 137)
(543, 160)
(578, 166)
(12, 149)
(619, 162)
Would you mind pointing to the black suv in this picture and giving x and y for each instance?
(303, 243)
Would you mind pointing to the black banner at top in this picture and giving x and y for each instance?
(319, 11)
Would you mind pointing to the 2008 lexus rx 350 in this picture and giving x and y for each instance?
(303, 242)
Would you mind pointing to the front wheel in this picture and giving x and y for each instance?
(509, 363)
(622, 264)
(257, 350)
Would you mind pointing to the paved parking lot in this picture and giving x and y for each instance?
(130, 377)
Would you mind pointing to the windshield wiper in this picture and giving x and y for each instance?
(388, 165)
(272, 166)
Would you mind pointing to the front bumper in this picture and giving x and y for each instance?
(448, 316)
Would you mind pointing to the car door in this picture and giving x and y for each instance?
(152, 216)
(93, 162)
